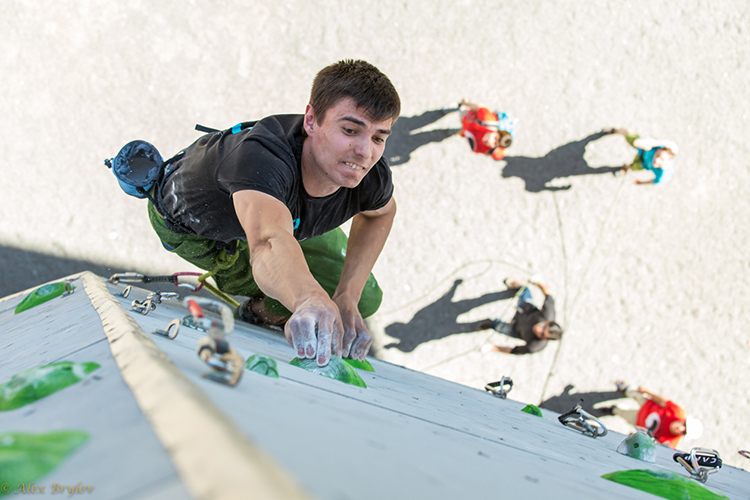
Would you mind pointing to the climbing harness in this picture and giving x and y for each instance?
(149, 303)
(579, 419)
(699, 463)
(498, 389)
(226, 364)
(171, 331)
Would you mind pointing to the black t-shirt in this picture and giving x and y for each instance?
(265, 158)
(528, 316)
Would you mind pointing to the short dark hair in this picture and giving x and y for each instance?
(555, 331)
(505, 139)
(359, 80)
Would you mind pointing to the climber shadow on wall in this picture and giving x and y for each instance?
(565, 161)
(403, 141)
(440, 319)
(567, 400)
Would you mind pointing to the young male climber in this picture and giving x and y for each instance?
(532, 325)
(666, 420)
(261, 207)
(481, 128)
(656, 156)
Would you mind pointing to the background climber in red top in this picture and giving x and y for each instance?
(665, 419)
(487, 132)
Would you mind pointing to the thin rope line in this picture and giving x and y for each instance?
(477, 347)
(568, 319)
(456, 271)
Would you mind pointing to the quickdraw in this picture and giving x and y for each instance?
(498, 389)
(579, 419)
(700, 462)
(175, 278)
(131, 277)
(149, 303)
(214, 350)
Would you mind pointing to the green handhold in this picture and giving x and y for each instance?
(362, 365)
(335, 369)
(31, 385)
(532, 410)
(27, 457)
(262, 364)
(663, 484)
(639, 445)
(189, 322)
(43, 294)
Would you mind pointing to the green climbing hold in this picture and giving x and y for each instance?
(639, 445)
(262, 364)
(663, 484)
(361, 365)
(27, 457)
(532, 410)
(335, 369)
(31, 385)
(189, 322)
(43, 294)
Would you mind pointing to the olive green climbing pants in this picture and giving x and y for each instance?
(324, 255)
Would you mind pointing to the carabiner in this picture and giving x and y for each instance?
(498, 389)
(171, 331)
(578, 419)
(126, 278)
(700, 462)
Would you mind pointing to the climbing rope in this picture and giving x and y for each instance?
(489, 262)
(478, 346)
(566, 315)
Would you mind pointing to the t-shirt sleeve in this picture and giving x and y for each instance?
(376, 189)
(485, 115)
(253, 166)
(631, 138)
(530, 347)
(548, 308)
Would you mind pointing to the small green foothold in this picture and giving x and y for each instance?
(43, 294)
(27, 457)
(262, 364)
(639, 445)
(189, 322)
(361, 365)
(663, 484)
(34, 384)
(335, 369)
(532, 410)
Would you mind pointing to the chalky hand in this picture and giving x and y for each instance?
(313, 330)
(357, 338)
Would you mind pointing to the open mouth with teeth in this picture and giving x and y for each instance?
(354, 166)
